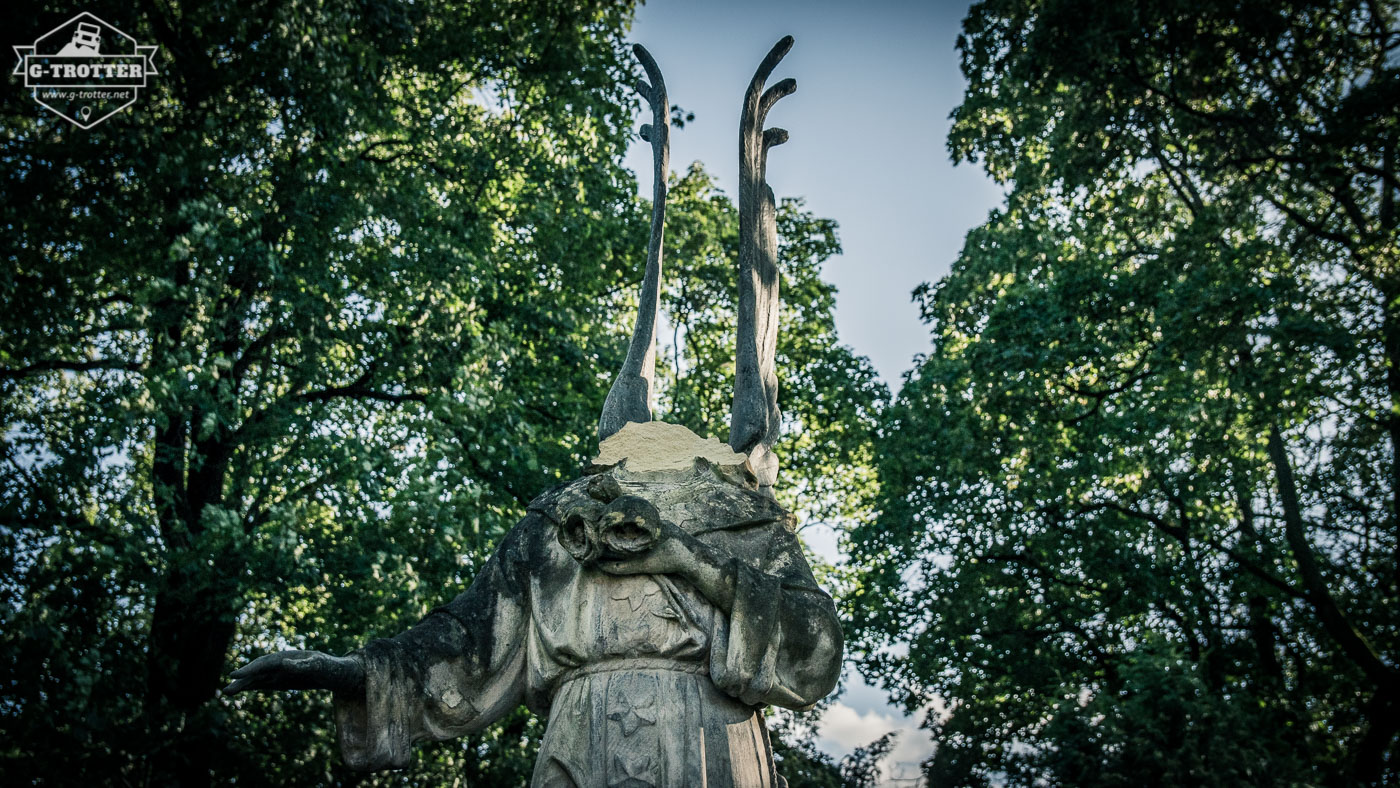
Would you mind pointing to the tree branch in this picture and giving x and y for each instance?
(49, 365)
(355, 391)
(1334, 621)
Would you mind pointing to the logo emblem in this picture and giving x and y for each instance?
(85, 70)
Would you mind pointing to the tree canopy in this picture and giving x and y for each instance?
(274, 351)
(289, 344)
(1138, 520)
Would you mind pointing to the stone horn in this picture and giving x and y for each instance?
(629, 399)
(755, 419)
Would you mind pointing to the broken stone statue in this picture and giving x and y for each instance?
(652, 608)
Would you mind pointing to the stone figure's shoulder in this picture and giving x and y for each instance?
(554, 504)
(530, 544)
(718, 499)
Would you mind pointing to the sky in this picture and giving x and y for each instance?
(876, 82)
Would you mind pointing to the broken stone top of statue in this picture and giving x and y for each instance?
(661, 446)
(649, 475)
(754, 420)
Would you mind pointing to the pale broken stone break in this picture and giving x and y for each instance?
(659, 446)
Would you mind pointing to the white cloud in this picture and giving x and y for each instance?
(842, 729)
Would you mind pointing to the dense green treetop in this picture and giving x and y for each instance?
(288, 345)
(1139, 502)
(275, 349)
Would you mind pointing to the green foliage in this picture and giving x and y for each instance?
(286, 347)
(289, 345)
(1139, 503)
(799, 760)
(861, 769)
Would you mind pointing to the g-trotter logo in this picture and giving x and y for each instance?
(85, 70)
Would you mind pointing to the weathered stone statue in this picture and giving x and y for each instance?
(651, 608)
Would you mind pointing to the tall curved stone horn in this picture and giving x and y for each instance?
(629, 399)
(755, 419)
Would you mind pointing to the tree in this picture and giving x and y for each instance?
(804, 765)
(291, 343)
(1142, 528)
(286, 347)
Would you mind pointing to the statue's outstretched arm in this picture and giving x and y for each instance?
(461, 668)
(299, 670)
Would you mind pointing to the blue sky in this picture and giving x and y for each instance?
(868, 148)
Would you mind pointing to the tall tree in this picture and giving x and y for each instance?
(1142, 528)
(290, 344)
(285, 347)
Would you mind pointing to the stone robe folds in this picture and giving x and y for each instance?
(644, 681)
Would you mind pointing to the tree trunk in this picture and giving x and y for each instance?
(195, 609)
(191, 632)
(1383, 714)
(1262, 629)
(1391, 328)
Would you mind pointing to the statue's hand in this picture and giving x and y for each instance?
(669, 552)
(675, 552)
(299, 670)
